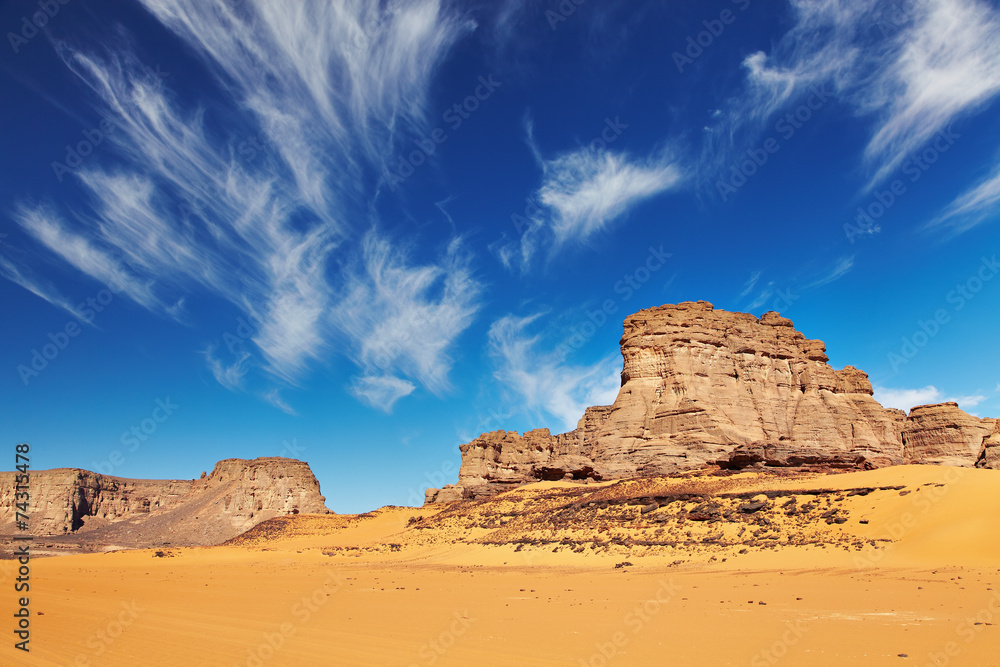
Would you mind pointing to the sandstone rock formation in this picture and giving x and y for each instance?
(703, 386)
(944, 433)
(236, 496)
(989, 452)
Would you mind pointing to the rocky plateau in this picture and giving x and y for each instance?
(77, 509)
(709, 388)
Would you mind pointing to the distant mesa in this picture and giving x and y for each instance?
(79, 509)
(706, 387)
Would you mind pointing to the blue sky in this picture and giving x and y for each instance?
(360, 234)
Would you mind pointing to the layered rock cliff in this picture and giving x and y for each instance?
(236, 496)
(703, 386)
(989, 453)
(944, 433)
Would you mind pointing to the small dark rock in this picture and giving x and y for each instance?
(750, 508)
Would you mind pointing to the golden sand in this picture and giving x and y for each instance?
(917, 584)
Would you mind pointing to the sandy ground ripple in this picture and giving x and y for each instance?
(897, 567)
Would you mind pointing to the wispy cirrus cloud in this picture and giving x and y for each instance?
(544, 380)
(402, 318)
(939, 61)
(50, 229)
(750, 283)
(584, 192)
(905, 398)
(587, 190)
(273, 396)
(330, 90)
(361, 68)
(946, 62)
(381, 391)
(23, 276)
(230, 375)
(971, 207)
(839, 270)
(781, 296)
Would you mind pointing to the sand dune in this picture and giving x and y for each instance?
(530, 578)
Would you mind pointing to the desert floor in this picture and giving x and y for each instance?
(911, 576)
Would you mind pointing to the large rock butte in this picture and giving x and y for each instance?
(703, 386)
(102, 509)
(944, 433)
(989, 454)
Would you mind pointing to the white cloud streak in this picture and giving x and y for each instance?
(840, 269)
(274, 398)
(326, 90)
(44, 224)
(25, 278)
(905, 399)
(229, 376)
(971, 207)
(587, 190)
(542, 380)
(381, 391)
(401, 319)
(584, 192)
(912, 76)
(750, 283)
(945, 63)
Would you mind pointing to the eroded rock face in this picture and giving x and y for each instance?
(236, 496)
(944, 433)
(702, 386)
(989, 452)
